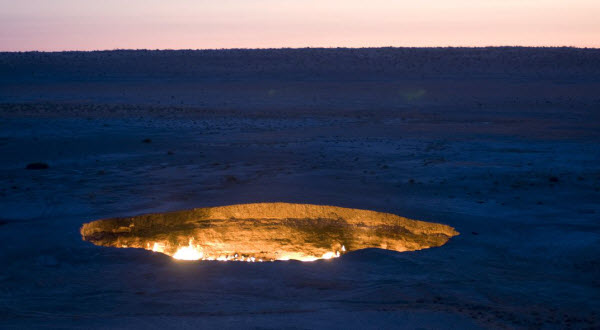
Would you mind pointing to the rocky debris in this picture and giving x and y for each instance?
(231, 179)
(37, 166)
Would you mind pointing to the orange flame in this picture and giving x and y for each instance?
(194, 252)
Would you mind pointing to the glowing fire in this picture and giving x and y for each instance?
(188, 253)
(158, 247)
(194, 252)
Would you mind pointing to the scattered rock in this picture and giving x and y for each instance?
(231, 179)
(37, 166)
(586, 211)
(47, 261)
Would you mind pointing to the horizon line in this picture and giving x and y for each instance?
(291, 48)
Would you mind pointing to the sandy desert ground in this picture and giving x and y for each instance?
(500, 143)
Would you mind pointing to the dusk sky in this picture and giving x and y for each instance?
(183, 24)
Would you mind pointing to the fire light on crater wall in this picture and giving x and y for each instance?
(266, 232)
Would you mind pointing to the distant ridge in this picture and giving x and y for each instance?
(301, 63)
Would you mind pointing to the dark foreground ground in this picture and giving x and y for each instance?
(501, 144)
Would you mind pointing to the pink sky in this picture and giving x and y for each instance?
(177, 24)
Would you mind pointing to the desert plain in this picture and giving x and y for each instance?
(502, 144)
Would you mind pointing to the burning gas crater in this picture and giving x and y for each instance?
(195, 252)
(266, 232)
